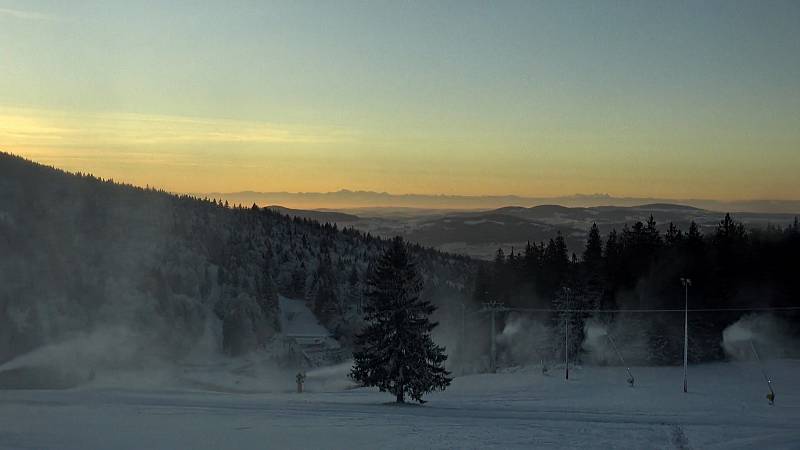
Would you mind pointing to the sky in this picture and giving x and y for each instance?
(536, 98)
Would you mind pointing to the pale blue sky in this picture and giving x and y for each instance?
(667, 99)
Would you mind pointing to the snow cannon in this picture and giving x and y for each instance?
(631, 380)
(544, 368)
(301, 378)
(771, 394)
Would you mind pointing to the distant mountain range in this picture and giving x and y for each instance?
(319, 216)
(481, 233)
(346, 199)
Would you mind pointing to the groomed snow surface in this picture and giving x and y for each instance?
(725, 408)
(297, 320)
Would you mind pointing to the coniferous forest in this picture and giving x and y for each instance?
(627, 279)
(83, 254)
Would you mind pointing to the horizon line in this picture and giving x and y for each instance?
(575, 196)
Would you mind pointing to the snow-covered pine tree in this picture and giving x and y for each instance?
(297, 283)
(326, 295)
(395, 350)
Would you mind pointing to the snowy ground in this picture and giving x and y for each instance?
(299, 324)
(297, 320)
(725, 408)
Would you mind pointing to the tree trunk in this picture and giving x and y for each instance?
(401, 395)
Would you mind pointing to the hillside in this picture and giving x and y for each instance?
(480, 233)
(319, 216)
(167, 276)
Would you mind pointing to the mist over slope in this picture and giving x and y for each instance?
(168, 275)
(116, 276)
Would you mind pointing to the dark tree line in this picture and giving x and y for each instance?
(78, 252)
(639, 267)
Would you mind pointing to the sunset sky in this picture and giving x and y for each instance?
(666, 99)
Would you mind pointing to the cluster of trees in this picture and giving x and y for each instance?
(639, 267)
(79, 252)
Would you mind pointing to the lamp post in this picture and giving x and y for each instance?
(686, 283)
(461, 343)
(463, 320)
(568, 297)
(566, 347)
(493, 307)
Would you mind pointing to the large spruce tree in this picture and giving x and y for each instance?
(395, 351)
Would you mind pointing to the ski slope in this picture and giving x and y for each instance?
(299, 324)
(299, 321)
(725, 408)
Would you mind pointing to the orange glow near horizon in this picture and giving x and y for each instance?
(536, 99)
(190, 155)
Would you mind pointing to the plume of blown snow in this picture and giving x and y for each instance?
(524, 340)
(336, 371)
(768, 333)
(109, 348)
(627, 332)
(596, 345)
(336, 377)
(108, 354)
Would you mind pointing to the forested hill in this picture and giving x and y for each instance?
(78, 253)
(734, 272)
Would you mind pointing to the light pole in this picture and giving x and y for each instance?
(461, 343)
(493, 307)
(568, 296)
(463, 320)
(686, 283)
(566, 347)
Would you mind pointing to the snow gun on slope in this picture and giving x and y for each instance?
(771, 393)
(630, 380)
